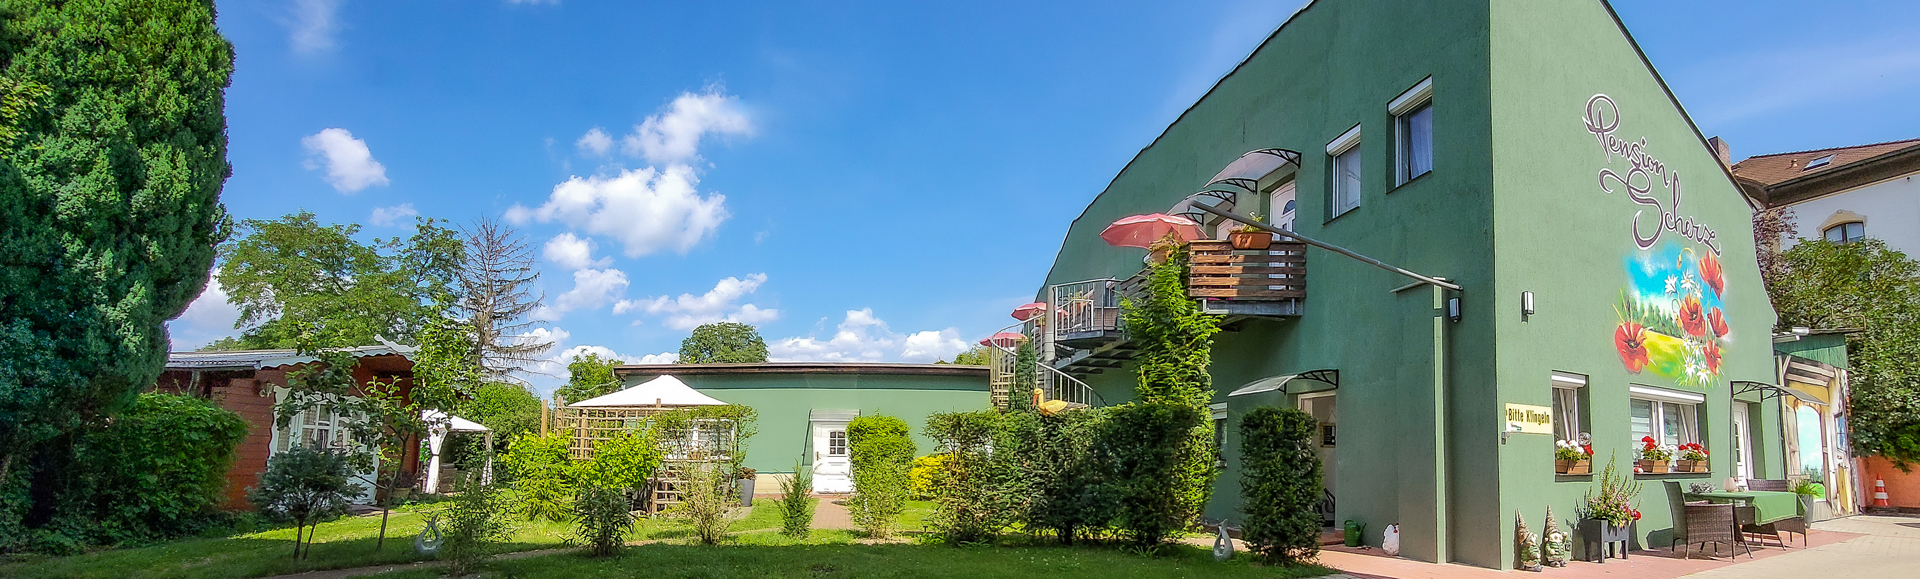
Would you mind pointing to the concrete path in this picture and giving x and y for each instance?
(827, 515)
(1890, 548)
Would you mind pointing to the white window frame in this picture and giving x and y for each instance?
(1567, 419)
(1402, 108)
(1662, 402)
(1218, 413)
(1347, 143)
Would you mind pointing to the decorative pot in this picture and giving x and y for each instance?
(1158, 256)
(1600, 536)
(1654, 466)
(1690, 466)
(1573, 467)
(1250, 239)
(746, 491)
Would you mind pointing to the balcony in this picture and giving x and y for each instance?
(1238, 284)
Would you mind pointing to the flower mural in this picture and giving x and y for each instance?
(1672, 315)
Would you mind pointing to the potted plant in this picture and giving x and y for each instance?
(1246, 236)
(1609, 512)
(744, 479)
(1161, 249)
(1693, 458)
(1654, 457)
(1809, 491)
(1572, 457)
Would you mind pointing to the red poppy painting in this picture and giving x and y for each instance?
(1718, 321)
(1711, 352)
(1631, 341)
(1691, 318)
(1711, 274)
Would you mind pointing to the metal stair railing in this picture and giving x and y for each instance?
(1063, 386)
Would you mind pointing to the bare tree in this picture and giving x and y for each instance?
(496, 298)
(1772, 227)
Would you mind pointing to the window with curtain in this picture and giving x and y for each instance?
(1566, 413)
(1670, 423)
(1416, 142)
(1346, 180)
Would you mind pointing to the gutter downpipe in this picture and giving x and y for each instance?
(1440, 350)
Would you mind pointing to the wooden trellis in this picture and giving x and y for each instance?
(700, 443)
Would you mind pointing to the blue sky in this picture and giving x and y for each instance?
(862, 180)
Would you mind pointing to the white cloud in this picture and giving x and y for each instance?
(862, 337)
(648, 209)
(674, 136)
(595, 141)
(573, 252)
(350, 166)
(208, 318)
(313, 24)
(592, 288)
(388, 216)
(690, 311)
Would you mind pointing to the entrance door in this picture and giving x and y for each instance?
(832, 469)
(1742, 443)
(1321, 406)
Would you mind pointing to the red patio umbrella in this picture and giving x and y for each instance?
(1027, 312)
(1004, 340)
(1143, 230)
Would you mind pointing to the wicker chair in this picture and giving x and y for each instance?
(1701, 522)
(1789, 526)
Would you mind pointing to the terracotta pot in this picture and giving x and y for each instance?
(1251, 239)
(1654, 466)
(1690, 466)
(1573, 467)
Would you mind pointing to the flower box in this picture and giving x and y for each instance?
(1573, 467)
(1684, 465)
(1654, 466)
(1250, 239)
(1601, 538)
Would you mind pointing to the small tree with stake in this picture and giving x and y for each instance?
(306, 484)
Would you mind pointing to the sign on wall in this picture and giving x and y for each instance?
(1529, 419)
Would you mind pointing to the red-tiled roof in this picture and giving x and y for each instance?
(1769, 170)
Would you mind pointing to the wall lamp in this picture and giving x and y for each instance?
(1526, 303)
(1453, 309)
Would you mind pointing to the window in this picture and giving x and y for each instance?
(1847, 232)
(1219, 414)
(1569, 406)
(1413, 132)
(837, 443)
(315, 428)
(1345, 153)
(1671, 418)
(1817, 163)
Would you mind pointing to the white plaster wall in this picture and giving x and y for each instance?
(1891, 209)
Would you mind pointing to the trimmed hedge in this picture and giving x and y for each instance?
(882, 454)
(970, 501)
(1280, 482)
(1140, 449)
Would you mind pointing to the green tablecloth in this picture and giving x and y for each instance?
(1768, 506)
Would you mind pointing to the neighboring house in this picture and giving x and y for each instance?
(1528, 153)
(1843, 194)
(250, 382)
(1813, 416)
(803, 407)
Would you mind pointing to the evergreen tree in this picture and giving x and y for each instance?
(496, 295)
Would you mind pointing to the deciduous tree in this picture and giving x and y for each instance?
(723, 343)
(496, 295)
(299, 282)
(589, 376)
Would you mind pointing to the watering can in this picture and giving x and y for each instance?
(1353, 531)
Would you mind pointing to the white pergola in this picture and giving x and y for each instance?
(439, 425)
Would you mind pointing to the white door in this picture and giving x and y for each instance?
(832, 470)
(1742, 444)
(1321, 407)
(1281, 207)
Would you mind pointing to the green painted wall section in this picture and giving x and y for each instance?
(1830, 349)
(1561, 236)
(1321, 74)
(784, 402)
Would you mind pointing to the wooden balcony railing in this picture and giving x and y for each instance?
(1220, 272)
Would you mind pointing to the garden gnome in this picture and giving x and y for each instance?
(1526, 545)
(1556, 546)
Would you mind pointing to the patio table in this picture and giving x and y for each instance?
(1768, 506)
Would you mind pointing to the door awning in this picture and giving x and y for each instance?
(1330, 378)
(1769, 391)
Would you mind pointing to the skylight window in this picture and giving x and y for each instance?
(1818, 163)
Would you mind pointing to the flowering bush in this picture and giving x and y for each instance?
(1613, 500)
(1571, 450)
(1693, 451)
(1655, 451)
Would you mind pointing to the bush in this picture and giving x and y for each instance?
(970, 501)
(1280, 484)
(602, 519)
(625, 461)
(796, 504)
(306, 485)
(542, 474)
(1140, 453)
(160, 467)
(706, 494)
(881, 453)
(476, 518)
(1064, 478)
(923, 474)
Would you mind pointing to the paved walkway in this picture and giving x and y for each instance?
(1890, 547)
(1643, 564)
(827, 515)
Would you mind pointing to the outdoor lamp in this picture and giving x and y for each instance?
(1453, 309)
(1526, 303)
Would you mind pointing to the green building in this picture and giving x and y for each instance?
(1526, 152)
(803, 407)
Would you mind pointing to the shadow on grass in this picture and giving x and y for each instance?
(228, 558)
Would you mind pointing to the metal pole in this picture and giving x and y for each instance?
(1324, 245)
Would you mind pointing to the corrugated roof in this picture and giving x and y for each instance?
(257, 359)
(1769, 170)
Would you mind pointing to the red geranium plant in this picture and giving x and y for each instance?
(1693, 451)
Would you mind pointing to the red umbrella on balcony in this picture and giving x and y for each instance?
(1027, 312)
(1143, 230)
(1004, 340)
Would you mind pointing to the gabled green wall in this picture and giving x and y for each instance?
(1559, 235)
